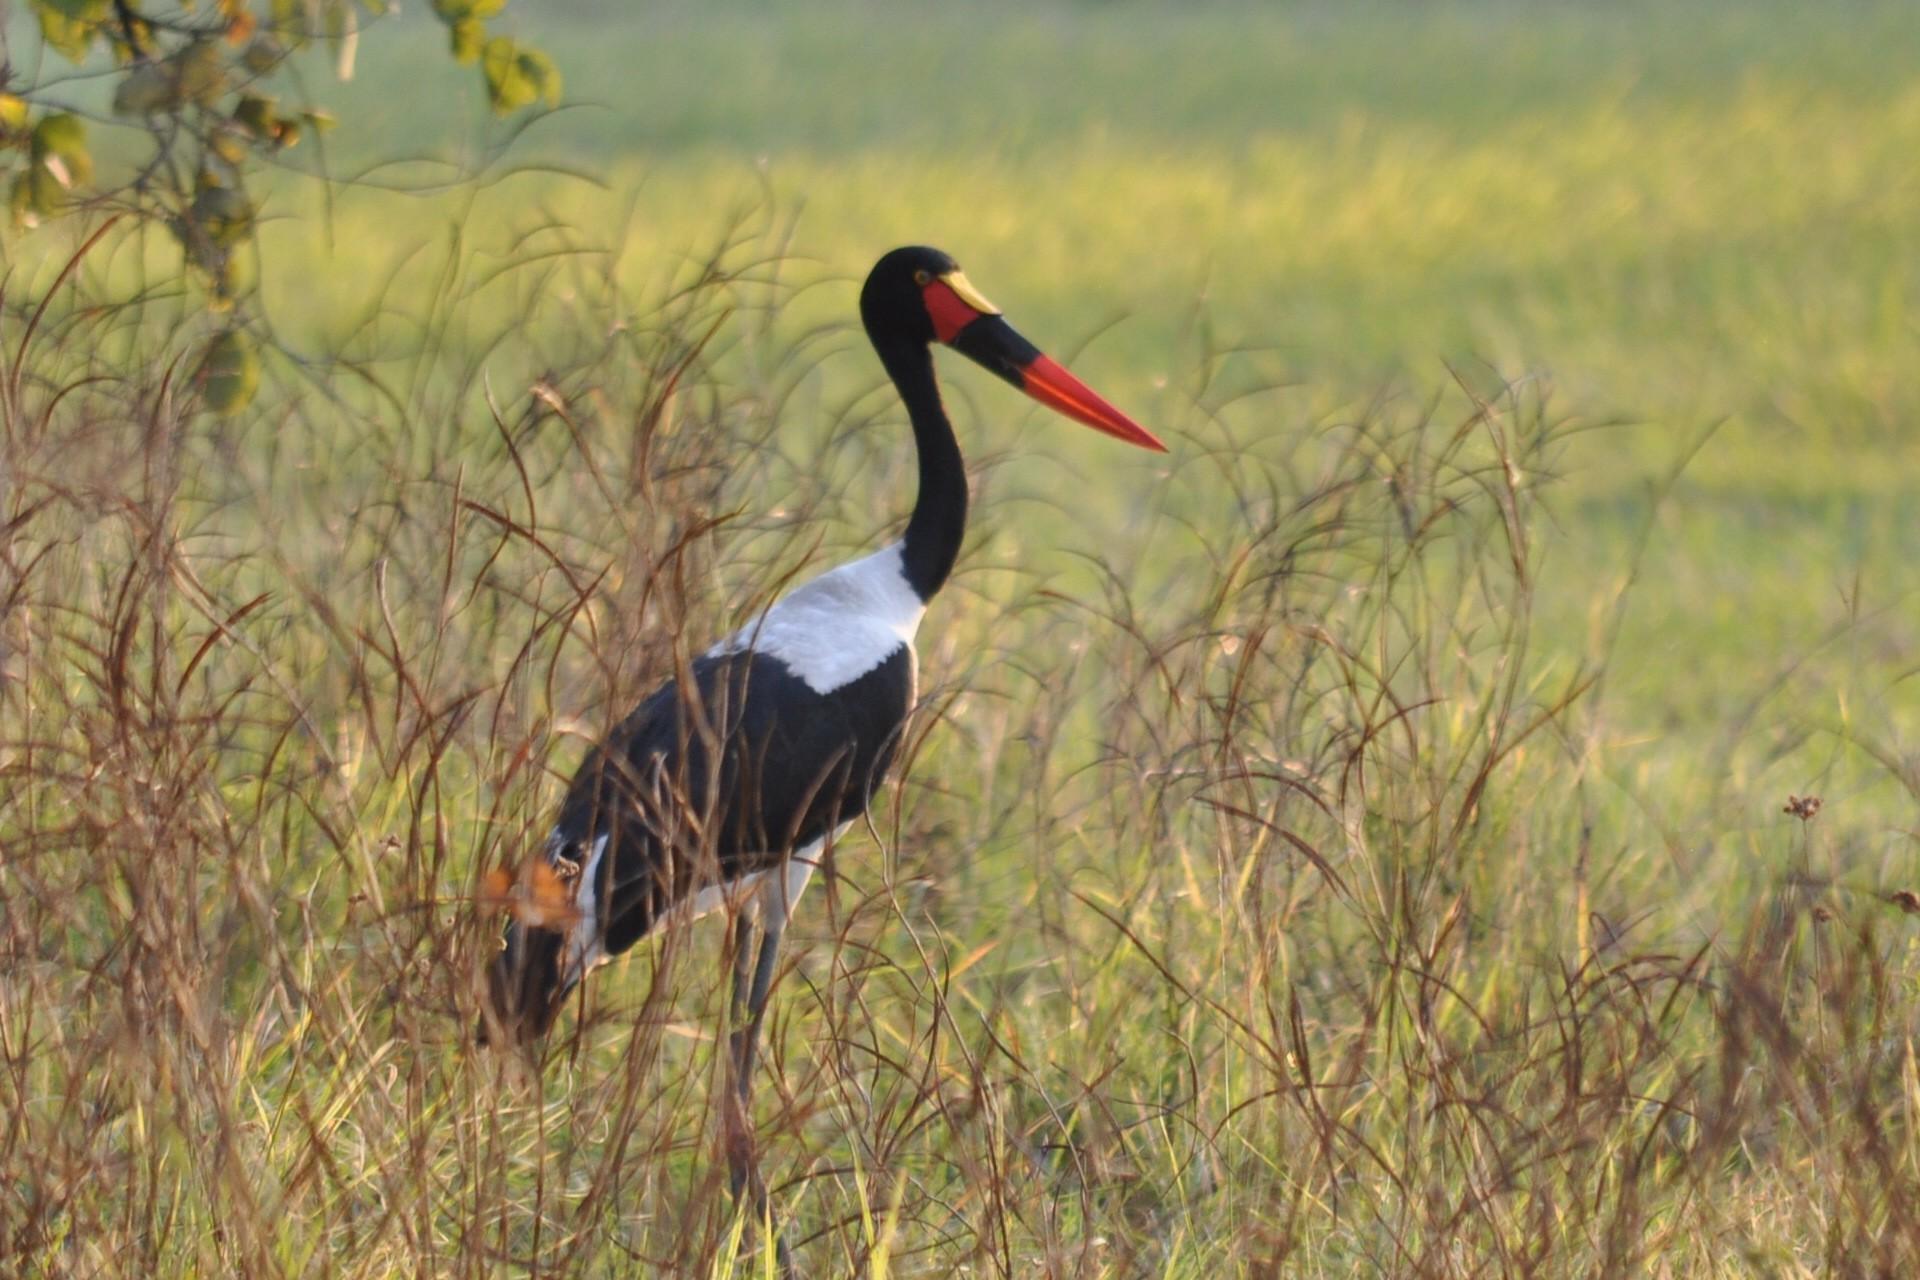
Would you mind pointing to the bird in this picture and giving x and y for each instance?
(726, 785)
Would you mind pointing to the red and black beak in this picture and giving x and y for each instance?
(973, 326)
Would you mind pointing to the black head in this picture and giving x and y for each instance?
(917, 296)
(893, 301)
(525, 989)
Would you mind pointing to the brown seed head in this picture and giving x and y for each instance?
(1803, 807)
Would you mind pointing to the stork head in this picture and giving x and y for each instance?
(920, 295)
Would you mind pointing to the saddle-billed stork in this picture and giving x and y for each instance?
(726, 789)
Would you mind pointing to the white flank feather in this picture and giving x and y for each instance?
(585, 947)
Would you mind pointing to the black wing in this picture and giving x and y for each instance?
(703, 788)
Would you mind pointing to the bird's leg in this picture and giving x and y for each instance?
(737, 1122)
(740, 934)
(752, 980)
(747, 1038)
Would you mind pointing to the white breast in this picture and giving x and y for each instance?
(839, 626)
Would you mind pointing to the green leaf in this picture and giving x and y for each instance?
(506, 87)
(290, 20)
(199, 73)
(466, 37)
(60, 135)
(546, 75)
(130, 40)
(518, 75)
(33, 196)
(231, 142)
(224, 214)
(71, 172)
(78, 10)
(262, 55)
(146, 90)
(36, 195)
(455, 11)
(70, 37)
(236, 277)
(229, 373)
(49, 190)
(255, 113)
(196, 73)
(13, 114)
(19, 200)
(199, 252)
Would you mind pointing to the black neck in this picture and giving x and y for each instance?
(940, 515)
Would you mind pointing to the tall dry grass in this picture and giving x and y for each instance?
(1235, 909)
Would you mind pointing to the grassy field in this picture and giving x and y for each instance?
(1352, 844)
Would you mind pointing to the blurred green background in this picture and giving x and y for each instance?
(1697, 224)
(1681, 213)
(1694, 227)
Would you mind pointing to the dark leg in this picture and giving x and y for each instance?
(746, 1037)
(741, 934)
(752, 979)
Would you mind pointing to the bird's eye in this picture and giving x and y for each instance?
(923, 277)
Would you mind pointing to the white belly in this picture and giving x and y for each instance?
(769, 895)
(766, 896)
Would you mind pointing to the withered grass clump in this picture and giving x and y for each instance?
(1250, 901)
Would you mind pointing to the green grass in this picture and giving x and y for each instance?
(1350, 845)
